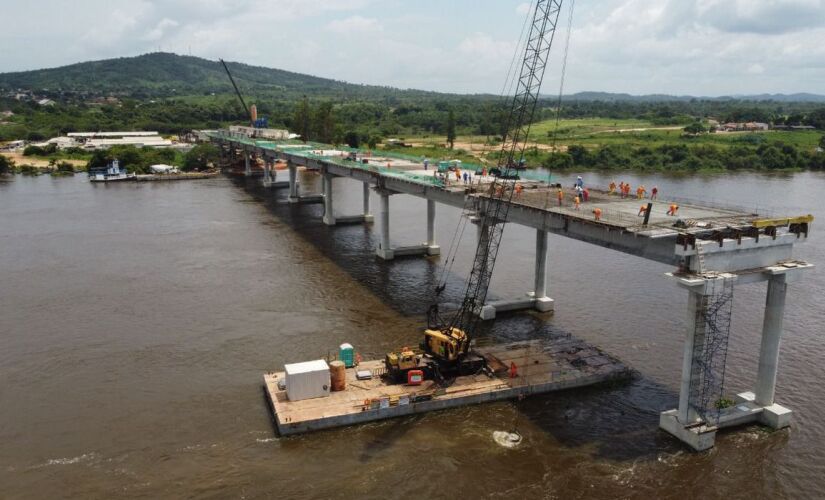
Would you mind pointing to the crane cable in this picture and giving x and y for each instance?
(516, 420)
(561, 91)
(509, 81)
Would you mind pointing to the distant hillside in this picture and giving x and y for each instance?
(162, 74)
(165, 74)
(618, 97)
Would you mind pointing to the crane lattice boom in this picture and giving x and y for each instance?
(495, 206)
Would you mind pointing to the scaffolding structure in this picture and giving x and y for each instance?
(710, 350)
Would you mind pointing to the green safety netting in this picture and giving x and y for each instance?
(309, 150)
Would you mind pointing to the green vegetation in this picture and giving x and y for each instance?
(6, 165)
(134, 160)
(769, 156)
(200, 157)
(451, 128)
(174, 94)
(61, 168)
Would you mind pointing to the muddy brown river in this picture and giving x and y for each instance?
(136, 321)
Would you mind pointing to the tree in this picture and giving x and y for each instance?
(6, 164)
(695, 128)
(199, 157)
(451, 128)
(352, 139)
(324, 122)
(822, 142)
(300, 120)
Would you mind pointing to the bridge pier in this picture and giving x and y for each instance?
(293, 182)
(537, 299)
(326, 182)
(432, 248)
(685, 423)
(385, 250)
(247, 169)
(367, 215)
(542, 302)
(330, 219)
(269, 176)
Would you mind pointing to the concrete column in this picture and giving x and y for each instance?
(366, 199)
(432, 248)
(771, 335)
(685, 415)
(539, 288)
(247, 171)
(384, 250)
(293, 182)
(329, 215)
(267, 169)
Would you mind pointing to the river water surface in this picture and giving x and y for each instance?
(136, 321)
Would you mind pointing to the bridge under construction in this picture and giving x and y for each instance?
(713, 248)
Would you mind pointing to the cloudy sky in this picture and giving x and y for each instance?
(701, 47)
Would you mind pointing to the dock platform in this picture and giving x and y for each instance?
(542, 366)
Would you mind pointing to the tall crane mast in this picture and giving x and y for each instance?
(495, 207)
(240, 97)
(446, 344)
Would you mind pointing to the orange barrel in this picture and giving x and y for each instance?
(338, 375)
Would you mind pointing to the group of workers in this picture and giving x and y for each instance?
(581, 195)
(624, 190)
(463, 177)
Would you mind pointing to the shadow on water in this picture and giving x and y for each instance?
(616, 421)
(405, 284)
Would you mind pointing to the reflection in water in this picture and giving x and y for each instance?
(136, 321)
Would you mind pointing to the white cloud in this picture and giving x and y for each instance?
(354, 24)
(159, 30)
(704, 47)
(756, 69)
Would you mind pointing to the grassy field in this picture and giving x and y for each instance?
(595, 132)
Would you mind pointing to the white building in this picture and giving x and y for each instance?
(103, 140)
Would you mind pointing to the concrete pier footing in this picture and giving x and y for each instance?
(759, 406)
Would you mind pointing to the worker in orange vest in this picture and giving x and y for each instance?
(612, 187)
(519, 189)
(597, 213)
(642, 210)
(560, 195)
(577, 201)
(673, 208)
(640, 192)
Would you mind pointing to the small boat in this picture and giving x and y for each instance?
(111, 173)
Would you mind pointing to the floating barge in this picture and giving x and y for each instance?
(541, 366)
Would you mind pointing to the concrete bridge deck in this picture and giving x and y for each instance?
(712, 247)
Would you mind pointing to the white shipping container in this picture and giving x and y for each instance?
(306, 380)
